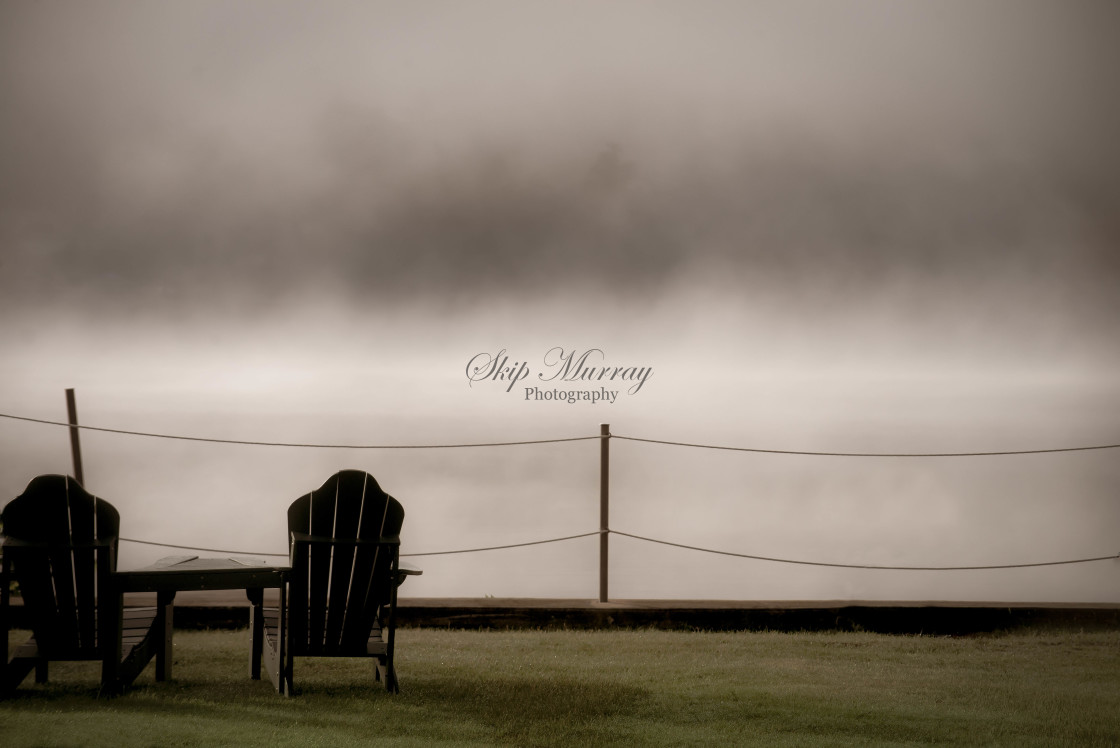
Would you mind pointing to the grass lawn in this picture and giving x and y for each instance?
(1036, 688)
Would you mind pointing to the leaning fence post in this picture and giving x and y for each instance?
(75, 444)
(604, 505)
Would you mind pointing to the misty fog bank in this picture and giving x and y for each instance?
(825, 229)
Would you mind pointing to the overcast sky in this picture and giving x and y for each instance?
(835, 225)
(159, 154)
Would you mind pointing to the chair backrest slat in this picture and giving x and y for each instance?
(346, 518)
(83, 529)
(320, 519)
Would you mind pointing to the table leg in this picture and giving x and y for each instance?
(256, 628)
(166, 617)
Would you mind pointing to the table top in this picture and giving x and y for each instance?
(177, 564)
(194, 573)
(183, 573)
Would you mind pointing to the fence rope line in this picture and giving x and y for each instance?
(867, 454)
(248, 442)
(500, 547)
(867, 566)
(677, 545)
(430, 553)
(295, 444)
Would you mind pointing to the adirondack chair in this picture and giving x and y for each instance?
(61, 548)
(341, 596)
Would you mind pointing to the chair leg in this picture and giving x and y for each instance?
(285, 660)
(270, 655)
(15, 671)
(383, 671)
(286, 677)
(256, 632)
(24, 659)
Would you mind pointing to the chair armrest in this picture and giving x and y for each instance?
(404, 567)
(406, 570)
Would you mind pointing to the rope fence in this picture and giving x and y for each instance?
(870, 454)
(245, 442)
(680, 545)
(403, 555)
(867, 566)
(255, 443)
(604, 532)
(502, 547)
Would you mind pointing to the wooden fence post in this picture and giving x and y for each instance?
(75, 443)
(604, 505)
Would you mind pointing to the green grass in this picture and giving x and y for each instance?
(1041, 688)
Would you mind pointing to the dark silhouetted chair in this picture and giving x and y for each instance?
(341, 596)
(61, 548)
